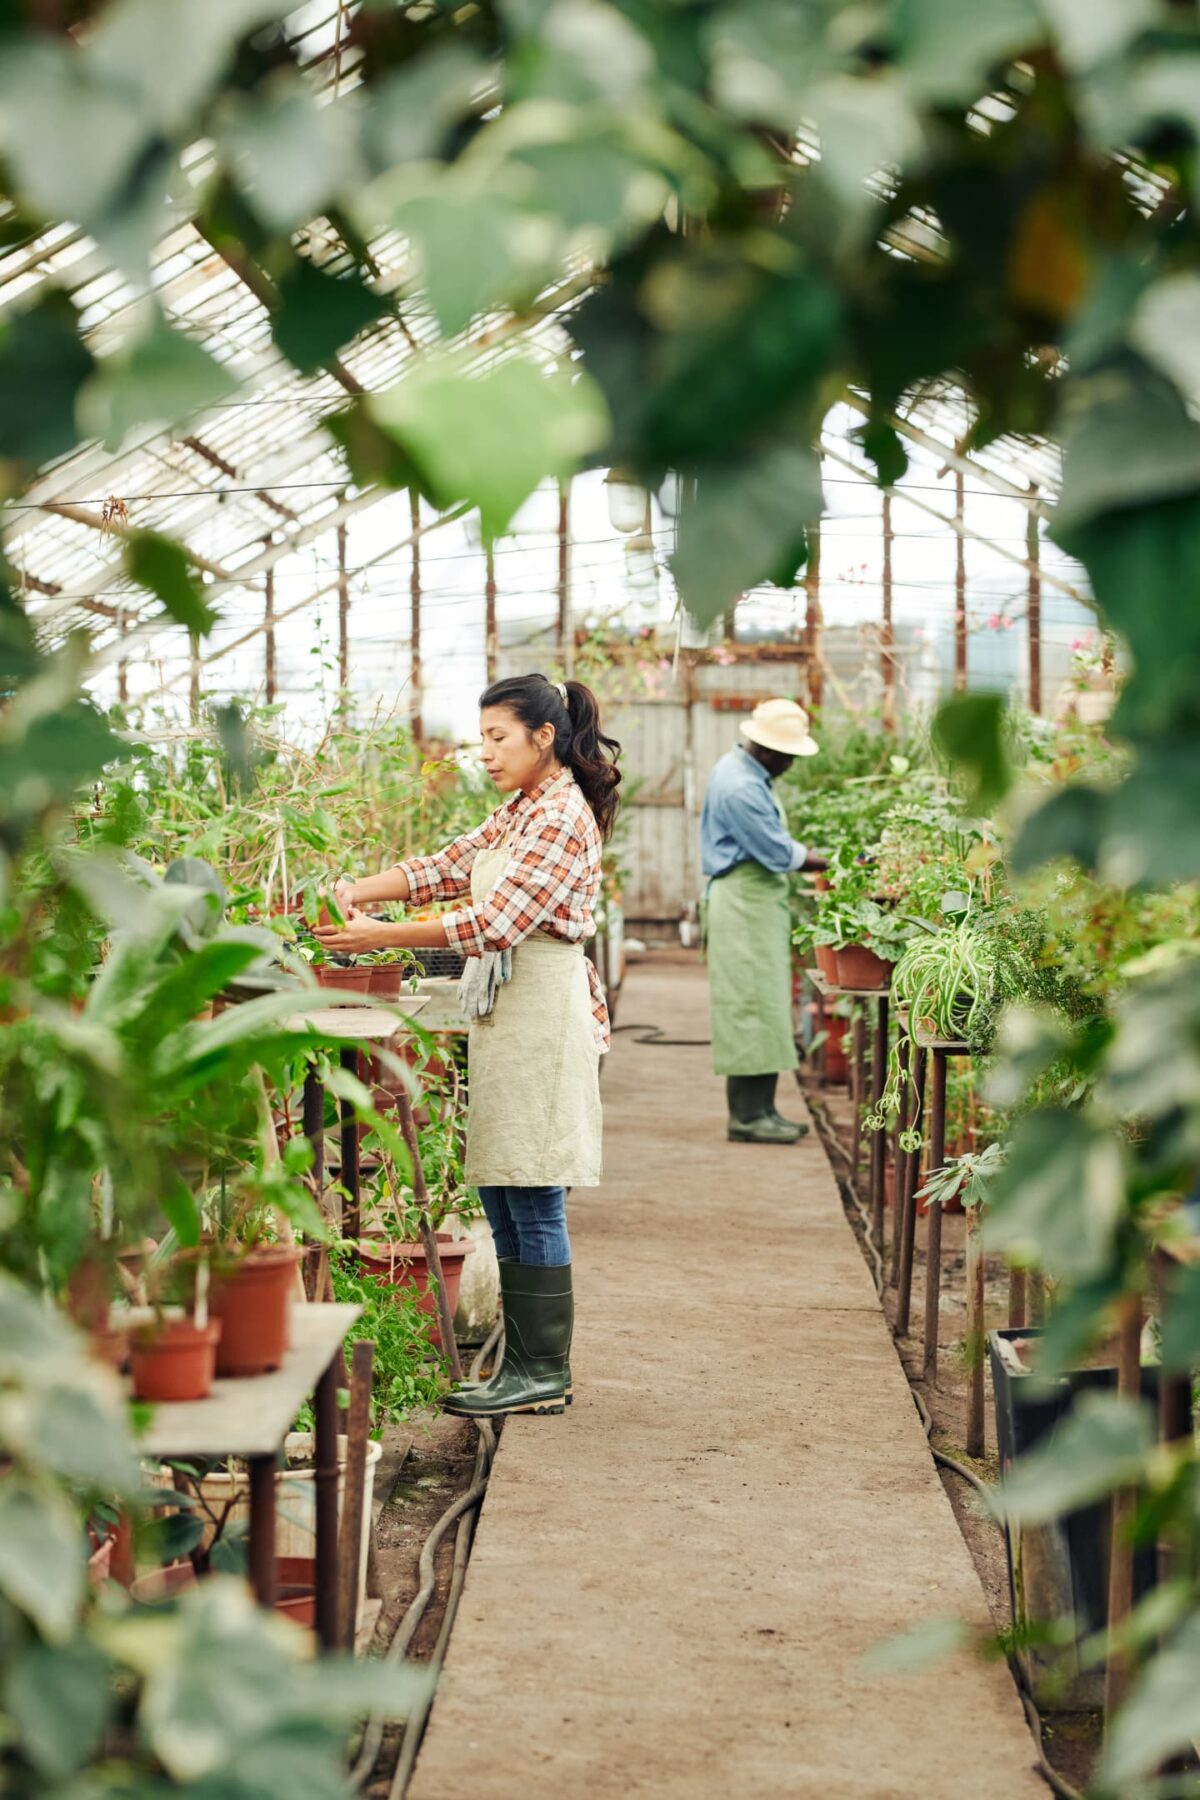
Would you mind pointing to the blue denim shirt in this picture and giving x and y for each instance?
(741, 822)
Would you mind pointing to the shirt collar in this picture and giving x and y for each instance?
(763, 774)
(521, 799)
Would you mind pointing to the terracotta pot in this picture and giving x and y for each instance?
(254, 1302)
(357, 977)
(387, 979)
(296, 1588)
(163, 1585)
(837, 1065)
(174, 1360)
(826, 957)
(404, 1265)
(858, 967)
(822, 884)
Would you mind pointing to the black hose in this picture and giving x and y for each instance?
(653, 1035)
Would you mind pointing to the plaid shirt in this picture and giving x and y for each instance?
(550, 884)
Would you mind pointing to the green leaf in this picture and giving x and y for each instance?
(476, 247)
(167, 54)
(1070, 823)
(489, 437)
(58, 1698)
(1165, 329)
(41, 1557)
(1181, 1319)
(1059, 1200)
(73, 1430)
(162, 566)
(71, 137)
(1127, 440)
(948, 51)
(413, 108)
(1089, 32)
(1161, 1717)
(291, 155)
(181, 1213)
(911, 1651)
(43, 365)
(1102, 1444)
(319, 314)
(882, 443)
(969, 731)
(745, 526)
(163, 377)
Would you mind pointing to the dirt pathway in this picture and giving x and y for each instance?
(673, 1586)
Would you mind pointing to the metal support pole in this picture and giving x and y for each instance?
(887, 642)
(566, 625)
(1120, 1563)
(960, 589)
(491, 643)
(408, 1126)
(343, 594)
(858, 1078)
(269, 676)
(879, 1136)
(912, 1170)
(414, 626)
(898, 1157)
(313, 1116)
(123, 665)
(351, 1181)
(358, 1426)
(976, 1336)
(933, 1255)
(1033, 606)
(326, 1480)
(260, 1547)
(1016, 1300)
(812, 616)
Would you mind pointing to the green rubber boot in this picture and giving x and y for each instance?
(510, 1262)
(752, 1115)
(532, 1378)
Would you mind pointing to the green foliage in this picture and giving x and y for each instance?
(409, 1372)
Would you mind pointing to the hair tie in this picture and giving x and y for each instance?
(561, 688)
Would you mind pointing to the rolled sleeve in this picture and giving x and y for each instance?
(535, 887)
(761, 832)
(447, 874)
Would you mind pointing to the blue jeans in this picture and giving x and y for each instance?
(529, 1224)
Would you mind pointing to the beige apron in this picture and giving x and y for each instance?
(533, 1112)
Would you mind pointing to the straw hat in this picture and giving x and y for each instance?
(780, 725)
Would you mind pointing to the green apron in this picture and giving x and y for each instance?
(749, 928)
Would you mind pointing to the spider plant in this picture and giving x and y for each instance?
(946, 977)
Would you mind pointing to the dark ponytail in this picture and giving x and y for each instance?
(578, 739)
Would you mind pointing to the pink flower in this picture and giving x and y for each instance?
(994, 622)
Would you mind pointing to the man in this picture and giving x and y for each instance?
(747, 854)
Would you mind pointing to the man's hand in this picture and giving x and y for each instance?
(356, 936)
(815, 861)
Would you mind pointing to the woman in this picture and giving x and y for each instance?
(539, 1023)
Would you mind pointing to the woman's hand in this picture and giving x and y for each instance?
(357, 935)
(343, 894)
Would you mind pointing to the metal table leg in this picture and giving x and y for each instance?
(879, 1136)
(933, 1258)
(911, 1181)
(326, 1479)
(314, 1125)
(261, 1539)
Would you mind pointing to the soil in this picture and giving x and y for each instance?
(426, 1464)
(1072, 1740)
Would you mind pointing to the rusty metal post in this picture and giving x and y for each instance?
(325, 1477)
(933, 1256)
(960, 587)
(898, 1157)
(414, 627)
(491, 643)
(976, 1336)
(350, 1535)
(1120, 1564)
(408, 1126)
(879, 1136)
(343, 594)
(858, 1078)
(887, 641)
(566, 625)
(260, 1547)
(912, 1171)
(1016, 1300)
(269, 671)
